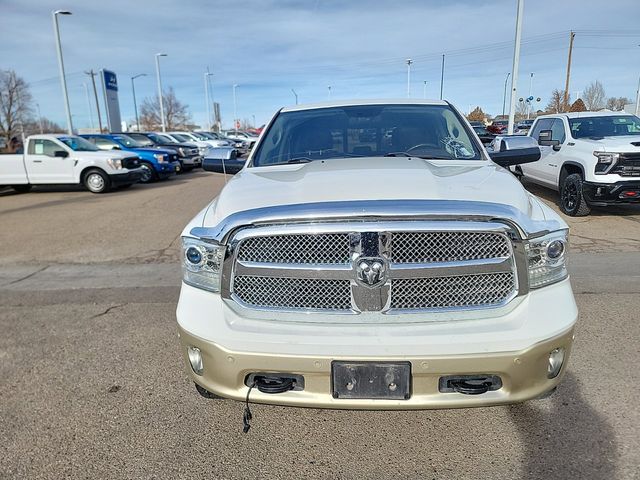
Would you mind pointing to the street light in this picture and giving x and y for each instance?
(235, 109)
(86, 91)
(135, 105)
(63, 80)
(529, 97)
(158, 55)
(424, 90)
(207, 74)
(409, 62)
(329, 88)
(295, 95)
(504, 98)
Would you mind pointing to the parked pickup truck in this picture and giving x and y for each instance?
(405, 271)
(67, 159)
(591, 158)
(188, 153)
(156, 164)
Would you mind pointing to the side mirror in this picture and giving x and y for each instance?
(61, 154)
(544, 139)
(514, 150)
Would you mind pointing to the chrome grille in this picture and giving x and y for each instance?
(297, 293)
(455, 291)
(308, 248)
(429, 247)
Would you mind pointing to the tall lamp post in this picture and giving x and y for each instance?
(424, 90)
(207, 74)
(86, 91)
(504, 97)
(235, 109)
(329, 88)
(158, 55)
(515, 67)
(135, 105)
(295, 95)
(409, 62)
(63, 80)
(529, 98)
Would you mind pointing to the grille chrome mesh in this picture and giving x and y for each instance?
(429, 247)
(293, 293)
(324, 248)
(456, 291)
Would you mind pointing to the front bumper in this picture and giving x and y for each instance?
(523, 374)
(605, 194)
(128, 178)
(513, 343)
(194, 161)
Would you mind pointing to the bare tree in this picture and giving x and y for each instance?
(15, 104)
(176, 113)
(617, 103)
(42, 125)
(594, 97)
(556, 102)
(477, 115)
(521, 110)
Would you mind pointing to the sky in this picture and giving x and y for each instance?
(357, 47)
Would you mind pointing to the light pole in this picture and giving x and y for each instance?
(135, 105)
(207, 74)
(504, 98)
(86, 91)
(40, 117)
(638, 98)
(235, 109)
(295, 95)
(409, 62)
(63, 80)
(329, 88)
(254, 120)
(514, 69)
(158, 55)
(424, 90)
(529, 97)
(442, 77)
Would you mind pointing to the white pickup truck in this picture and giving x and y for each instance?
(68, 159)
(371, 255)
(591, 158)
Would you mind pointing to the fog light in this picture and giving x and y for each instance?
(195, 358)
(556, 358)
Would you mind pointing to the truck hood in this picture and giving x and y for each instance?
(613, 144)
(369, 178)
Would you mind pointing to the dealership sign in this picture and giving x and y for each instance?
(110, 92)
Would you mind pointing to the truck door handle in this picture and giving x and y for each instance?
(37, 161)
(553, 165)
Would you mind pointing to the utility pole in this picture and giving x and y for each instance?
(529, 97)
(409, 62)
(514, 69)
(442, 77)
(294, 94)
(566, 85)
(504, 97)
(135, 104)
(159, 80)
(235, 109)
(207, 74)
(93, 74)
(40, 118)
(86, 91)
(638, 98)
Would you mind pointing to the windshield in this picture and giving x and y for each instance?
(143, 140)
(199, 136)
(207, 136)
(181, 137)
(161, 138)
(128, 141)
(426, 131)
(481, 130)
(605, 126)
(78, 144)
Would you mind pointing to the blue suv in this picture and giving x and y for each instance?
(156, 163)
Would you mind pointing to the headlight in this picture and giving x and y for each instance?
(203, 150)
(181, 151)
(160, 157)
(202, 264)
(115, 163)
(546, 257)
(606, 161)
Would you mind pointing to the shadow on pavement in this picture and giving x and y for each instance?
(564, 437)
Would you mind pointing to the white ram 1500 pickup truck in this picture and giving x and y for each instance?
(591, 158)
(372, 255)
(66, 159)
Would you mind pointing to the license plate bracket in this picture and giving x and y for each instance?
(371, 380)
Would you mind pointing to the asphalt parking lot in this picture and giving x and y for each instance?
(93, 385)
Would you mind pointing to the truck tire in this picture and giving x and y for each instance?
(96, 181)
(572, 200)
(148, 173)
(22, 188)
